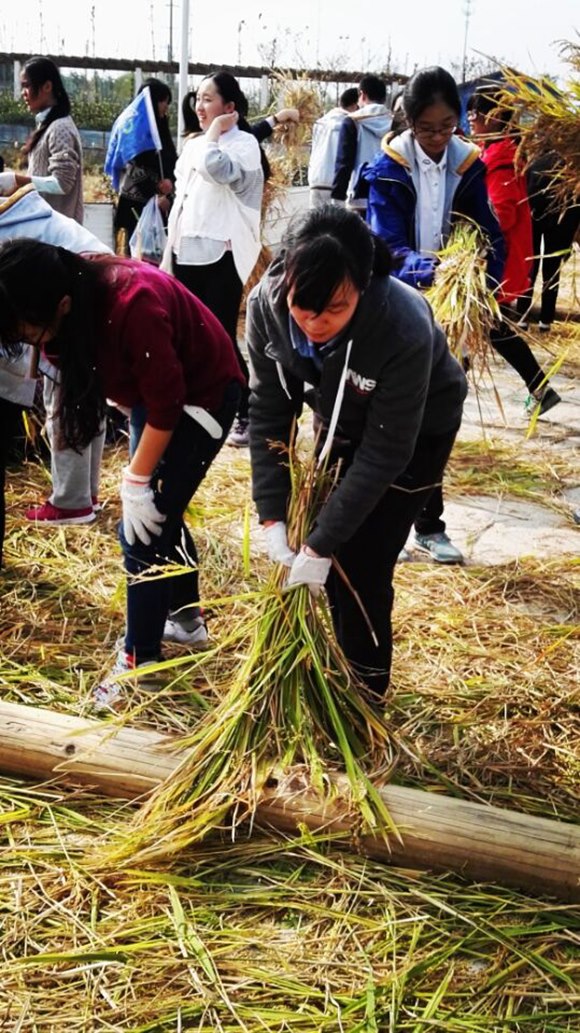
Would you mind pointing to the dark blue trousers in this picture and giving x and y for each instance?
(181, 470)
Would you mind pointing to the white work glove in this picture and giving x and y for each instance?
(277, 544)
(140, 514)
(309, 570)
(7, 183)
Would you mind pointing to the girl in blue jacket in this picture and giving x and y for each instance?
(426, 178)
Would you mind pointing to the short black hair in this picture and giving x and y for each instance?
(326, 247)
(374, 88)
(489, 99)
(427, 87)
(349, 97)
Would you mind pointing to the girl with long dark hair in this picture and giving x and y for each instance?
(328, 315)
(54, 150)
(150, 173)
(122, 329)
(214, 225)
(55, 167)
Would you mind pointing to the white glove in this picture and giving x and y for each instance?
(7, 183)
(309, 570)
(277, 544)
(140, 514)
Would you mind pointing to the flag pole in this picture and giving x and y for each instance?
(183, 66)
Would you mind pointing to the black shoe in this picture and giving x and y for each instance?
(541, 402)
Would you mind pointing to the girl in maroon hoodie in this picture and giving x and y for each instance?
(152, 348)
(507, 191)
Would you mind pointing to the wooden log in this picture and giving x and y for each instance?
(438, 832)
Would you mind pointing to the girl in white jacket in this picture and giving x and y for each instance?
(214, 225)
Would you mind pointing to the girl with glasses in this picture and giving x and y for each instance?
(425, 179)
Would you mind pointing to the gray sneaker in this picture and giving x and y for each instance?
(195, 636)
(439, 547)
(239, 435)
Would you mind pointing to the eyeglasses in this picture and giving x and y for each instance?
(446, 130)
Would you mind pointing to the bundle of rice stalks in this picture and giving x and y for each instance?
(550, 122)
(460, 297)
(294, 139)
(292, 701)
(296, 92)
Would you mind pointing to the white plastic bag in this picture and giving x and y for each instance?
(149, 237)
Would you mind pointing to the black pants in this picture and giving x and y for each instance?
(516, 351)
(10, 415)
(369, 559)
(557, 235)
(220, 288)
(518, 354)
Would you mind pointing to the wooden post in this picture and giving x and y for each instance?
(438, 832)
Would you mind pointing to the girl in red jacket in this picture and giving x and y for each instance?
(508, 194)
(156, 350)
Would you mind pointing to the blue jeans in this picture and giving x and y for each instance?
(181, 470)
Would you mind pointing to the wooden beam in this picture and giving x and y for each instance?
(199, 68)
(438, 832)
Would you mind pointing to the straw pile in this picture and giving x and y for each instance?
(550, 122)
(270, 936)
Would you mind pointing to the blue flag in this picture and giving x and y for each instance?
(134, 131)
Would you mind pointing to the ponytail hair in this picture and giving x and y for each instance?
(39, 70)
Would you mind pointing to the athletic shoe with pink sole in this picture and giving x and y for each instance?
(49, 514)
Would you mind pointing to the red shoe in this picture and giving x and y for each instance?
(49, 514)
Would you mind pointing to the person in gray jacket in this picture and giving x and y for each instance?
(388, 396)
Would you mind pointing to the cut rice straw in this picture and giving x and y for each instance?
(293, 700)
(550, 122)
(460, 297)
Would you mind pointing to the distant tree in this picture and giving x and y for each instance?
(476, 67)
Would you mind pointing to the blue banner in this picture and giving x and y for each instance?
(134, 131)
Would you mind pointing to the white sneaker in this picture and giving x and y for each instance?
(239, 435)
(109, 693)
(195, 638)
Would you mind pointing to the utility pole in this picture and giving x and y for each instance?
(467, 13)
(170, 43)
(240, 23)
(152, 27)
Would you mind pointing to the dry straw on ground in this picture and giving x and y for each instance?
(302, 935)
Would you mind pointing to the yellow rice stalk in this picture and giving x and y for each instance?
(292, 701)
(296, 92)
(550, 122)
(460, 297)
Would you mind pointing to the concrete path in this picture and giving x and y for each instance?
(491, 529)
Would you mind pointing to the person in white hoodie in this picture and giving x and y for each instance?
(214, 226)
(26, 214)
(325, 134)
(360, 141)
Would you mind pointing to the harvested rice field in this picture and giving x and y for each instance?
(274, 933)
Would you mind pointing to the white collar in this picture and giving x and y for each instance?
(425, 163)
